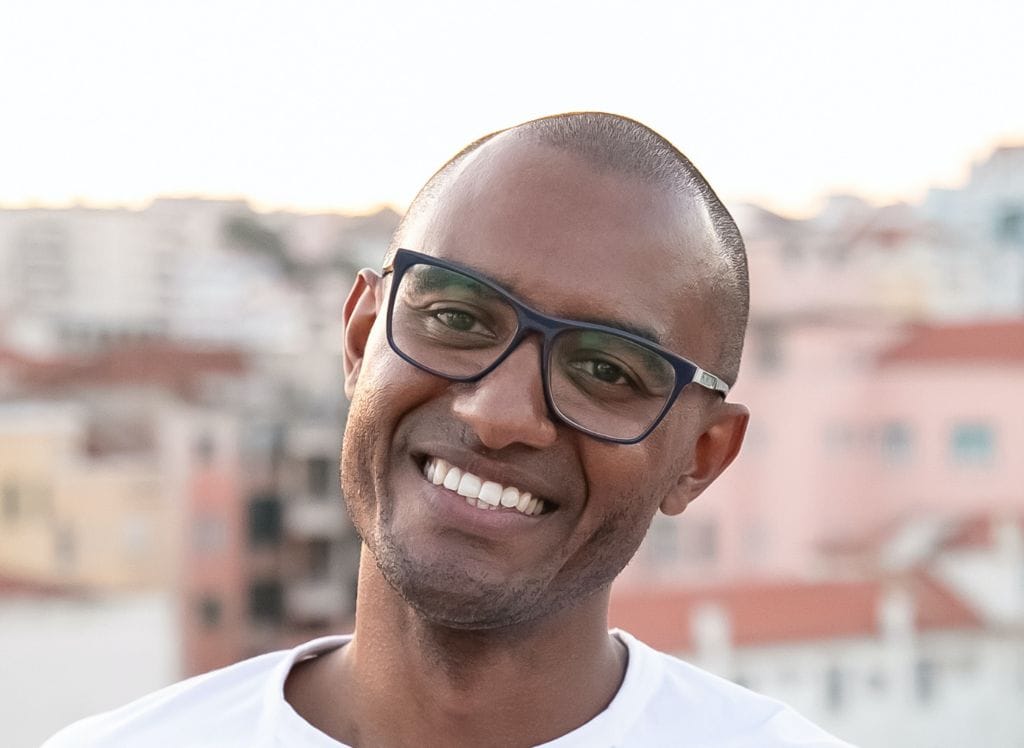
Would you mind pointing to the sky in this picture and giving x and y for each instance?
(343, 106)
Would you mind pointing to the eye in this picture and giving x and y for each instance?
(452, 322)
(456, 319)
(604, 371)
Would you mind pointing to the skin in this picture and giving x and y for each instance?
(472, 635)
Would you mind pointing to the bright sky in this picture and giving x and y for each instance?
(343, 105)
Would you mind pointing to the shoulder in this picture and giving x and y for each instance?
(681, 700)
(220, 708)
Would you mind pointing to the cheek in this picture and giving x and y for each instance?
(387, 383)
(388, 390)
(609, 544)
(645, 472)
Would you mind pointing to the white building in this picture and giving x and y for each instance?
(893, 663)
(209, 271)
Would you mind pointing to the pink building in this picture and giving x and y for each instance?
(856, 423)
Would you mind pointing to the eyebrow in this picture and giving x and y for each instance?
(647, 333)
(434, 278)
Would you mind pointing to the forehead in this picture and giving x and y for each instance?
(578, 241)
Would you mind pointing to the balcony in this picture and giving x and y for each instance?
(307, 517)
(327, 599)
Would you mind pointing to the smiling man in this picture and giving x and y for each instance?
(541, 365)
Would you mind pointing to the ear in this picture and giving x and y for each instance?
(361, 309)
(713, 452)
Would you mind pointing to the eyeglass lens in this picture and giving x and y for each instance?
(456, 326)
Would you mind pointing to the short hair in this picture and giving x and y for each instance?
(616, 143)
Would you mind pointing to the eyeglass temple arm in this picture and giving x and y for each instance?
(709, 380)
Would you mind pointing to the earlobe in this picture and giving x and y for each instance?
(713, 452)
(360, 312)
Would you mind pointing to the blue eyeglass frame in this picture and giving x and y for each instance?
(529, 320)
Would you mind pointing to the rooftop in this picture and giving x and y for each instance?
(764, 613)
(984, 342)
(175, 367)
(11, 586)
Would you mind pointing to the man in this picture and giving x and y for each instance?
(540, 368)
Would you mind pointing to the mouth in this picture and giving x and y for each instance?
(481, 492)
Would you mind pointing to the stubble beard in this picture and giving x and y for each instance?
(443, 594)
(448, 595)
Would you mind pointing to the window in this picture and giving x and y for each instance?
(320, 559)
(757, 439)
(835, 688)
(210, 612)
(972, 444)
(698, 540)
(756, 539)
(768, 347)
(925, 675)
(319, 475)
(204, 450)
(1010, 225)
(663, 541)
(65, 548)
(840, 438)
(11, 502)
(136, 534)
(44, 501)
(266, 601)
(265, 520)
(896, 443)
(209, 534)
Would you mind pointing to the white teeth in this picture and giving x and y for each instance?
(439, 469)
(451, 481)
(490, 492)
(510, 496)
(469, 486)
(478, 492)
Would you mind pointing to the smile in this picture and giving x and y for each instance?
(480, 492)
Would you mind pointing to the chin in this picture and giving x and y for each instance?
(449, 595)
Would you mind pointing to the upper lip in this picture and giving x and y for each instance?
(496, 470)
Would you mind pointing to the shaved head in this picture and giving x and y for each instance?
(616, 144)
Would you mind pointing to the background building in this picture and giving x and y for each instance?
(171, 412)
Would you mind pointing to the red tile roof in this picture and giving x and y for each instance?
(25, 587)
(762, 613)
(977, 531)
(867, 551)
(177, 368)
(988, 342)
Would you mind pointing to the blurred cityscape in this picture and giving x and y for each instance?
(171, 411)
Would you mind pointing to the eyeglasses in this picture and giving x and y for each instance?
(450, 321)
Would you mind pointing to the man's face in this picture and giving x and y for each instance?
(572, 242)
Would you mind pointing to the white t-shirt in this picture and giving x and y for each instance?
(663, 701)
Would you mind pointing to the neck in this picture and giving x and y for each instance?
(403, 677)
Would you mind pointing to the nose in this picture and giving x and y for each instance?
(507, 406)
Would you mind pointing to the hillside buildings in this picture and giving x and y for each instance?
(171, 414)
